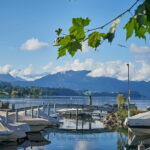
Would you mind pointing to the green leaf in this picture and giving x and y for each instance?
(94, 39)
(140, 14)
(140, 33)
(73, 47)
(129, 28)
(58, 40)
(110, 37)
(64, 41)
(80, 22)
(148, 30)
(58, 31)
(103, 35)
(147, 7)
(68, 44)
(77, 32)
(61, 52)
(77, 29)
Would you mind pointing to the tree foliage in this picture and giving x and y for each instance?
(139, 24)
(121, 100)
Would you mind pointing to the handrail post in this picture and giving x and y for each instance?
(48, 109)
(6, 116)
(38, 112)
(31, 112)
(16, 118)
(25, 111)
(43, 107)
(77, 112)
(54, 108)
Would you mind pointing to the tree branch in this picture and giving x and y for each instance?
(101, 27)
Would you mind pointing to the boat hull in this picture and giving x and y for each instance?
(141, 130)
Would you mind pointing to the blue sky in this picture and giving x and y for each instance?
(27, 34)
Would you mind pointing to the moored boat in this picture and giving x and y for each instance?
(139, 124)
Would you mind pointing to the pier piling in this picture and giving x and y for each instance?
(90, 100)
(13, 107)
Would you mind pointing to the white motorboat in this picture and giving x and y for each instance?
(12, 131)
(37, 122)
(139, 124)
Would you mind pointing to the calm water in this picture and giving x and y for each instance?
(81, 134)
(20, 102)
(87, 134)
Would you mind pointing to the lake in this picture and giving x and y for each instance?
(82, 134)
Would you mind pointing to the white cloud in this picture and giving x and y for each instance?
(26, 74)
(114, 69)
(5, 69)
(34, 44)
(28, 70)
(48, 66)
(139, 49)
(76, 65)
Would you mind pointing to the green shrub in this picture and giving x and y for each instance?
(5, 105)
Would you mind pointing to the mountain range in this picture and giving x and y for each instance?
(78, 80)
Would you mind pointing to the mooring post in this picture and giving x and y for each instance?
(16, 118)
(13, 107)
(6, 116)
(54, 108)
(141, 147)
(48, 109)
(31, 112)
(90, 100)
(25, 111)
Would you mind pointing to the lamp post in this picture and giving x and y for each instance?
(128, 92)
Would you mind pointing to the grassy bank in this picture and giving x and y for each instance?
(124, 114)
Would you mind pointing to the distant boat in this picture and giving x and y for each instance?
(139, 124)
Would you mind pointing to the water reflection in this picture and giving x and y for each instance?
(81, 145)
(134, 141)
(81, 123)
(33, 140)
(79, 134)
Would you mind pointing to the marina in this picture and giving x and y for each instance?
(68, 119)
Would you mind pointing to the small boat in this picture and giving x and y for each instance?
(37, 122)
(12, 131)
(139, 124)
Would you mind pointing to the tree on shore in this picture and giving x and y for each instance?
(121, 100)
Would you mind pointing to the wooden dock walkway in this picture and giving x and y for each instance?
(79, 106)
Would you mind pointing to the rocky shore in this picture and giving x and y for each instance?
(113, 121)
